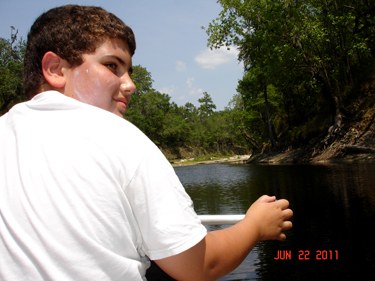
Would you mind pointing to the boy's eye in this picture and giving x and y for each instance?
(112, 66)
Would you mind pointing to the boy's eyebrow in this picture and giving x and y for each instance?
(121, 61)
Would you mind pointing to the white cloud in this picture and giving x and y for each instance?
(169, 90)
(189, 82)
(210, 59)
(195, 91)
(192, 90)
(180, 66)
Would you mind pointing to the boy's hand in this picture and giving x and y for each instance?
(270, 217)
(221, 251)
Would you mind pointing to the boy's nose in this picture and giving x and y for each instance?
(127, 86)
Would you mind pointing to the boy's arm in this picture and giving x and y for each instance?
(221, 251)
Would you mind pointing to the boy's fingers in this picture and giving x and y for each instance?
(282, 236)
(287, 225)
(288, 213)
(267, 199)
(283, 203)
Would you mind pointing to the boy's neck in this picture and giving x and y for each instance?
(47, 87)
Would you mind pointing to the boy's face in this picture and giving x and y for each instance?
(103, 79)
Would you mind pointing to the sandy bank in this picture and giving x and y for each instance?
(299, 156)
(191, 161)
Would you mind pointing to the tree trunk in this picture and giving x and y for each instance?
(251, 140)
(334, 103)
(4, 108)
(271, 129)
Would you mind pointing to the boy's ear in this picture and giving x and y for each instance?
(52, 68)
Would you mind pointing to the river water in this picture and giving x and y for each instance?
(333, 225)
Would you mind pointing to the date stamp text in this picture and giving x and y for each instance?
(308, 255)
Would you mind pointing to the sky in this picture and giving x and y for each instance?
(171, 44)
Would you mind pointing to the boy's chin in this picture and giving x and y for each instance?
(119, 113)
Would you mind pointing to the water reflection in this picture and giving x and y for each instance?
(217, 189)
(333, 211)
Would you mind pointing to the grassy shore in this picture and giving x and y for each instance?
(209, 160)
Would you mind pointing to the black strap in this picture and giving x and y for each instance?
(155, 273)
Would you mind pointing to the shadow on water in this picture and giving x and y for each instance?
(333, 204)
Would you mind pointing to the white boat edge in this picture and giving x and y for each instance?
(220, 219)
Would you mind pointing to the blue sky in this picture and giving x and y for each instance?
(170, 43)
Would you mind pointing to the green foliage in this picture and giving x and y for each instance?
(171, 126)
(300, 57)
(207, 106)
(11, 72)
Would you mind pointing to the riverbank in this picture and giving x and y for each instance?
(286, 157)
(338, 151)
(211, 160)
(354, 142)
(298, 156)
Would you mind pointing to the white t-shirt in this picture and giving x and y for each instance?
(84, 195)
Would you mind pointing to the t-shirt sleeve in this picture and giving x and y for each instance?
(163, 210)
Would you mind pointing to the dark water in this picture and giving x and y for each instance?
(334, 219)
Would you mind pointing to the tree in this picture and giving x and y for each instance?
(257, 103)
(305, 49)
(11, 71)
(189, 112)
(150, 110)
(207, 106)
(169, 125)
(242, 123)
(142, 79)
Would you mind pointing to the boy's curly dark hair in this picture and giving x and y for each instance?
(69, 31)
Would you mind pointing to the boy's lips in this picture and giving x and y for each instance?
(122, 101)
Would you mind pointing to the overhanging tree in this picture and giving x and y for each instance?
(11, 71)
(306, 47)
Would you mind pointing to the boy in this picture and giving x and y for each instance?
(84, 195)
